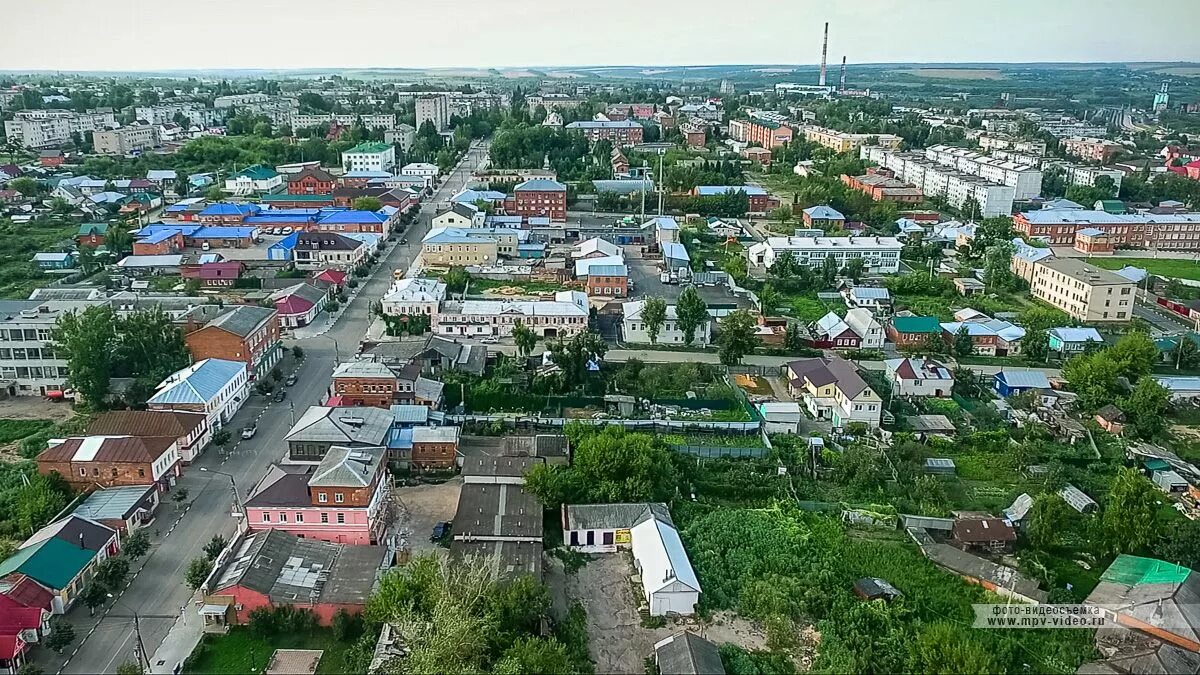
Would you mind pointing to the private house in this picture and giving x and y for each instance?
(321, 428)
(609, 281)
(299, 305)
(214, 274)
(311, 180)
(189, 429)
(989, 337)
(272, 568)
(1016, 382)
(1068, 341)
(823, 218)
(434, 448)
(92, 234)
(21, 627)
(669, 584)
(108, 461)
(564, 316)
(686, 653)
(253, 179)
(54, 262)
(323, 250)
(414, 297)
(62, 557)
(461, 215)
(243, 333)
(215, 387)
(867, 327)
(633, 327)
(919, 377)
(342, 500)
(993, 535)
(1111, 419)
(365, 383)
(450, 246)
(832, 331)
(831, 389)
(913, 332)
(123, 509)
(878, 300)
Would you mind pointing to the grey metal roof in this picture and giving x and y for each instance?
(116, 503)
(289, 569)
(508, 558)
(427, 389)
(486, 465)
(614, 516)
(242, 319)
(348, 467)
(410, 414)
(353, 426)
(497, 511)
(688, 654)
(364, 369)
(1032, 379)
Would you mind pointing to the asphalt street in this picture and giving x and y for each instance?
(158, 593)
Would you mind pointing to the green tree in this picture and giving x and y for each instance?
(534, 656)
(39, 501)
(525, 339)
(1128, 519)
(28, 187)
(997, 267)
(691, 314)
(1134, 355)
(1180, 545)
(214, 194)
(738, 337)
(113, 572)
(1036, 345)
(221, 437)
(578, 356)
(62, 634)
(136, 544)
(214, 547)
(769, 300)
(1093, 377)
(611, 466)
(962, 342)
(1048, 520)
(854, 268)
(95, 595)
(367, 204)
(197, 571)
(87, 340)
(1146, 408)
(654, 315)
(1186, 354)
(130, 668)
(456, 279)
(829, 270)
(149, 347)
(118, 240)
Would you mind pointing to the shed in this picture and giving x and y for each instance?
(992, 534)
(668, 581)
(1077, 499)
(940, 465)
(1169, 481)
(1015, 382)
(932, 424)
(874, 588)
(1111, 419)
(687, 654)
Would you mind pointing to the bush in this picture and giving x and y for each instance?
(298, 353)
(62, 634)
(332, 306)
(346, 626)
(214, 547)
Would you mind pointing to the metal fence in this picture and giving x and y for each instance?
(715, 451)
(649, 426)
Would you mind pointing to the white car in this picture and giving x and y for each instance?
(287, 230)
(248, 432)
(490, 340)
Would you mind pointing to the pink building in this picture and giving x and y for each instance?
(341, 500)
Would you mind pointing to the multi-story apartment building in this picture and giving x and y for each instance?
(1025, 180)
(243, 333)
(370, 156)
(47, 128)
(29, 365)
(402, 135)
(1001, 142)
(434, 108)
(1066, 127)
(538, 198)
(763, 133)
(879, 254)
(884, 188)
(369, 120)
(552, 102)
(108, 461)
(840, 141)
(343, 499)
(414, 296)
(125, 140)
(936, 180)
(1094, 149)
(1087, 175)
(564, 316)
(238, 100)
(365, 383)
(1084, 291)
(164, 113)
(1161, 231)
(621, 133)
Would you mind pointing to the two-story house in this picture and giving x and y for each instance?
(216, 387)
(343, 499)
(831, 389)
(323, 250)
(365, 383)
(311, 180)
(633, 327)
(189, 429)
(321, 428)
(919, 377)
(245, 333)
(108, 461)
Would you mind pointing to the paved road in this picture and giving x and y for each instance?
(158, 593)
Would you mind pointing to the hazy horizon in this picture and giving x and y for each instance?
(474, 35)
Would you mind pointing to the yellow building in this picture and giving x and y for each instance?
(840, 141)
(452, 246)
(1084, 291)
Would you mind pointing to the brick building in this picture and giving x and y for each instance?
(694, 136)
(610, 281)
(190, 430)
(310, 181)
(113, 460)
(365, 383)
(244, 333)
(434, 448)
(539, 197)
(621, 132)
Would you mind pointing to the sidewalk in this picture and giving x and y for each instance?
(180, 641)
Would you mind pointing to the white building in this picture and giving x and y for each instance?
(863, 322)
(1001, 142)
(414, 296)
(424, 170)
(937, 180)
(125, 140)
(919, 377)
(433, 108)
(634, 327)
(45, 128)
(370, 156)
(564, 316)
(216, 387)
(371, 120)
(461, 214)
(29, 365)
(233, 100)
(403, 135)
(1025, 180)
(164, 113)
(1087, 175)
(879, 254)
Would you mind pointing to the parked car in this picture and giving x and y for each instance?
(490, 340)
(440, 530)
(277, 230)
(248, 432)
(404, 240)
(291, 380)
(287, 230)
(280, 395)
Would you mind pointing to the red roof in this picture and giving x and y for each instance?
(293, 304)
(10, 646)
(27, 593)
(332, 276)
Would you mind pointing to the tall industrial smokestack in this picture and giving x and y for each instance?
(842, 82)
(824, 52)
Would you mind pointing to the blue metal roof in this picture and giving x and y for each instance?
(1076, 334)
(1024, 379)
(224, 233)
(157, 236)
(199, 382)
(666, 223)
(287, 243)
(226, 209)
(187, 230)
(823, 212)
(608, 271)
(711, 190)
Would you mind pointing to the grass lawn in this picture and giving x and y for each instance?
(480, 285)
(807, 308)
(1163, 267)
(239, 651)
(15, 430)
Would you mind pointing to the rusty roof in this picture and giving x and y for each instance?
(130, 449)
(143, 423)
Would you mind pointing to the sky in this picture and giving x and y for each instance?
(157, 35)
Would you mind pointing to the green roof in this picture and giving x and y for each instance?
(1166, 344)
(52, 562)
(916, 324)
(1130, 570)
(1156, 465)
(258, 172)
(1112, 205)
(370, 146)
(296, 198)
(93, 228)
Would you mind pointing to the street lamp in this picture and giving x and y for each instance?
(143, 658)
(237, 501)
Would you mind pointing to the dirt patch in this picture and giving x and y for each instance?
(754, 384)
(423, 507)
(34, 408)
(1185, 431)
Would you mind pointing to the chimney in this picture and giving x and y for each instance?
(824, 52)
(842, 82)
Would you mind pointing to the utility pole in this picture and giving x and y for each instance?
(645, 168)
(142, 657)
(660, 181)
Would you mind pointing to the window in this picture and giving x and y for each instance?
(322, 498)
(299, 517)
(266, 517)
(82, 471)
(341, 518)
(141, 473)
(282, 517)
(339, 497)
(324, 517)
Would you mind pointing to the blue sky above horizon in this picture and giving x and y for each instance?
(280, 34)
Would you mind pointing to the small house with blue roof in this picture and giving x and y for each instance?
(1073, 340)
(823, 218)
(215, 387)
(281, 251)
(675, 256)
(1016, 382)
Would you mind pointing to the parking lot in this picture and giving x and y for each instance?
(423, 507)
